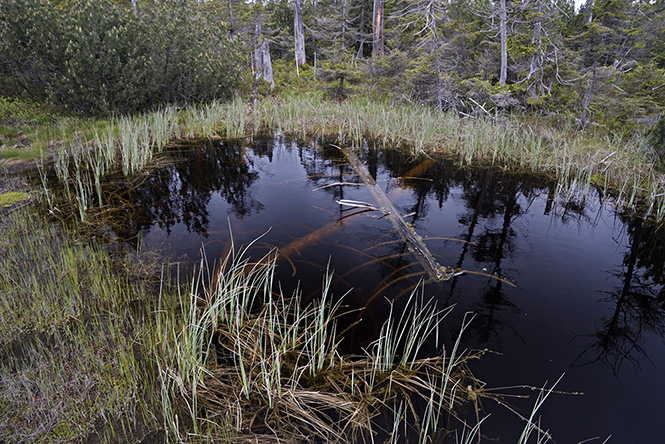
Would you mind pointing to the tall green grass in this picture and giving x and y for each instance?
(129, 144)
(72, 323)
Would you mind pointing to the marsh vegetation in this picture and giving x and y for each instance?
(97, 345)
(623, 169)
(160, 282)
(217, 350)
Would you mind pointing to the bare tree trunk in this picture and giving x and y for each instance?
(135, 8)
(432, 23)
(343, 25)
(588, 11)
(503, 23)
(377, 41)
(258, 58)
(299, 33)
(361, 46)
(262, 61)
(266, 64)
(537, 59)
(587, 100)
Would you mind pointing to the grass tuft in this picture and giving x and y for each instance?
(270, 367)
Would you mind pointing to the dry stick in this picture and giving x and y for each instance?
(414, 242)
(336, 184)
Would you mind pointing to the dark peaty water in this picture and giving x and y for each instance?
(589, 299)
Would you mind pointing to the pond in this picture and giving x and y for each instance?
(574, 288)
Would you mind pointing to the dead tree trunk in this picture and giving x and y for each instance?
(432, 8)
(587, 99)
(299, 33)
(503, 23)
(377, 41)
(361, 45)
(258, 58)
(135, 8)
(414, 242)
(537, 58)
(343, 36)
(588, 11)
(266, 64)
(262, 61)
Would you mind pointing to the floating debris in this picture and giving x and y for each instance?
(356, 204)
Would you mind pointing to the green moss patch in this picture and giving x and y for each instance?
(12, 198)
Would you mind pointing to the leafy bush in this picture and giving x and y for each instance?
(94, 57)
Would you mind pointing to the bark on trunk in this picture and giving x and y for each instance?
(503, 23)
(537, 58)
(299, 33)
(135, 8)
(587, 100)
(377, 41)
(266, 64)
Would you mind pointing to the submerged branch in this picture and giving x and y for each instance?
(416, 245)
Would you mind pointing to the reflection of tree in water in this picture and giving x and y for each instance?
(230, 174)
(638, 303)
(324, 164)
(492, 206)
(181, 191)
(494, 200)
(574, 205)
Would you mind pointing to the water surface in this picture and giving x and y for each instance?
(589, 299)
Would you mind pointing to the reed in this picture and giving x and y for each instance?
(533, 426)
(235, 118)
(84, 192)
(625, 167)
(269, 363)
(163, 126)
(46, 193)
(129, 143)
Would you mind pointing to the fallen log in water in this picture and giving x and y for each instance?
(415, 243)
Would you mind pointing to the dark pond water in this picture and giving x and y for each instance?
(589, 299)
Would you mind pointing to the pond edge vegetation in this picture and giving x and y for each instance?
(165, 375)
(624, 170)
(99, 352)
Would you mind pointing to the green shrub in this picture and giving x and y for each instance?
(96, 58)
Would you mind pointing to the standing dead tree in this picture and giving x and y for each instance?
(377, 40)
(299, 32)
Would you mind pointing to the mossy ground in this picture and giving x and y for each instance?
(10, 198)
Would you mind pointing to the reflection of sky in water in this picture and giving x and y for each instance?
(585, 303)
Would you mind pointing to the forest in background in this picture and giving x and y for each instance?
(602, 64)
